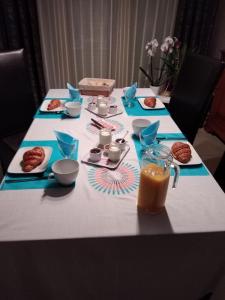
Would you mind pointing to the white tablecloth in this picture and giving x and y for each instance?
(110, 250)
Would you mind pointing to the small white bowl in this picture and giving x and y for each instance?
(139, 124)
(121, 143)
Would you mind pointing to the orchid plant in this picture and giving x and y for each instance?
(170, 60)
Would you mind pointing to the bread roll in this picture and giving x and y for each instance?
(150, 102)
(54, 103)
(32, 158)
(181, 152)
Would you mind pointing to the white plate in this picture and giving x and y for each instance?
(15, 165)
(158, 105)
(195, 158)
(45, 104)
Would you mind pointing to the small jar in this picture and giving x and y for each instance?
(121, 143)
(105, 136)
(95, 154)
(114, 153)
(100, 99)
(102, 109)
(113, 109)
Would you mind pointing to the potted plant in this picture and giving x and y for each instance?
(170, 62)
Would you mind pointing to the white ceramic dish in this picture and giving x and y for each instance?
(15, 165)
(105, 162)
(158, 105)
(95, 112)
(195, 159)
(45, 104)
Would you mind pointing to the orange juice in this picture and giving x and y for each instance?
(153, 186)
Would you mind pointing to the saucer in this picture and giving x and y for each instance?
(68, 115)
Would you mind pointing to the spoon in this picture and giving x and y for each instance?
(123, 138)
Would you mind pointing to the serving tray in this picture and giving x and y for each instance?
(105, 162)
(95, 112)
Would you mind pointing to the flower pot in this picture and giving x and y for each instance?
(155, 89)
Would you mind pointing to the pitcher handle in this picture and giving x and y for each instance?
(177, 174)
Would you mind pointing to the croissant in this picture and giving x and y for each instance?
(181, 152)
(150, 102)
(54, 103)
(32, 158)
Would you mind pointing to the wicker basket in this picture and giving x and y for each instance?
(96, 86)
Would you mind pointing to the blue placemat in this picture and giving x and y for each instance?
(195, 170)
(137, 110)
(51, 115)
(41, 183)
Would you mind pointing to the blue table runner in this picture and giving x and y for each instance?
(40, 183)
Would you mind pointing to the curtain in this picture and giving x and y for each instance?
(19, 29)
(100, 38)
(195, 22)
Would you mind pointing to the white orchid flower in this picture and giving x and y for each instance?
(164, 47)
(168, 40)
(155, 43)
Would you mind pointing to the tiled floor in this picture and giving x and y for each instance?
(209, 147)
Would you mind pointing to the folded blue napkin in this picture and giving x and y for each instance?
(67, 143)
(74, 93)
(148, 135)
(130, 92)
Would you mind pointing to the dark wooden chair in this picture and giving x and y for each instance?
(17, 103)
(192, 95)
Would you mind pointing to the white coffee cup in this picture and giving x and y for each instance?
(114, 153)
(65, 171)
(139, 124)
(73, 108)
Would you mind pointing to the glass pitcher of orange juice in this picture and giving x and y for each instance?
(154, 179)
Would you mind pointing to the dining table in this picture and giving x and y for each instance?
(89, 240)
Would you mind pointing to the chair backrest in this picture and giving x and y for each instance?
(16, 97)
(192, 94)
